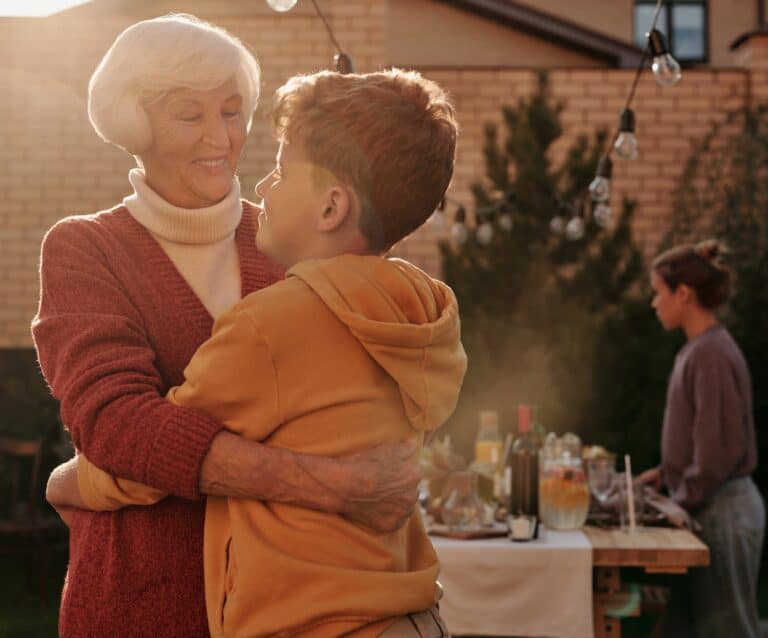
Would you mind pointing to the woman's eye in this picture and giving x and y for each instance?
(231, 114)
(189, 118)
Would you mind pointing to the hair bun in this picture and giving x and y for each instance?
(708, 249)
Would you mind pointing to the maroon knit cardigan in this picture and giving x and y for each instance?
(117, 325)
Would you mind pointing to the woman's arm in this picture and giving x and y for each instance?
(376, 487)
(717, 431)
(95, 356)
(333, 485)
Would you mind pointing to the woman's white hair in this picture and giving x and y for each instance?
(153, 57)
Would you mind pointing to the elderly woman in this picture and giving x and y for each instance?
(127, 296)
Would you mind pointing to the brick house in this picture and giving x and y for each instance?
(483, 51)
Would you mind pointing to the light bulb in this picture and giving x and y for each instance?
(665, 68)
(600, 188)
(557, 225)
(282, 5)
(505, 222)
(603, 215)
(574, 229)
(626, 146)
(459, 233)
(484, 233)
(626, 143)
(343, 63)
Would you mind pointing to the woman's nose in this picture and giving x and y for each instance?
(216, 133)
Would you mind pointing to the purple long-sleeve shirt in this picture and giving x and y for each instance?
(708, 436)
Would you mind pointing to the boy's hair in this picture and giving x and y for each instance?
(696, 266)
(390, 136)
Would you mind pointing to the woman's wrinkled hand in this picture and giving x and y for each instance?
(379, 487)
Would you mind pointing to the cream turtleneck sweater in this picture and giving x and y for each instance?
(200, 242)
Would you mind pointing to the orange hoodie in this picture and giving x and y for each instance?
(345, 354)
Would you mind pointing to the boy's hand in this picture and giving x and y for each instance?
(62, 491)
(379, 487)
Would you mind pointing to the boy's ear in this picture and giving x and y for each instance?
(338, 207)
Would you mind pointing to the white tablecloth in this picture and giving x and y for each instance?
(494, 587)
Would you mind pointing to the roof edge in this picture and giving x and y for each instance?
(554, 28)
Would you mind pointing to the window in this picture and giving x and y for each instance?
(684, 22)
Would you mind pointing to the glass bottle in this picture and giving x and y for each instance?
(463, 509)
(488, 443)
(524, 469)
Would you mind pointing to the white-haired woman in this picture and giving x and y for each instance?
(127, 296)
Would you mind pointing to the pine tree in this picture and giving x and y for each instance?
(534, 304)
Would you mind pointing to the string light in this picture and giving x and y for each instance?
(557, 225)
(664, 66)
(341, 61)
(505, 219)
(484, 234)
(574, 229)
(602, 214)
(282, 5)
(600, 188)
(667, 73)
(626, 143)
(459, 232)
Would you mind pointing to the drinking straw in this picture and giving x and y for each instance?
(505, 452)
(630, 492)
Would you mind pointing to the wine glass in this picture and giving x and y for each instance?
(600, 473)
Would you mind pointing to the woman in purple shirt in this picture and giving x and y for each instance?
(708, 448)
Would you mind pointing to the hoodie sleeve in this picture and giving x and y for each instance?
(232, 378)
(103, 492)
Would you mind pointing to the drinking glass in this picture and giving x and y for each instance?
(623, 503)
(600, 473)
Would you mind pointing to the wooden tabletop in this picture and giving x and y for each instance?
(657, 549)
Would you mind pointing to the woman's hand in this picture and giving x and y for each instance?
(652, 478)
(62, 491)
(379, 487)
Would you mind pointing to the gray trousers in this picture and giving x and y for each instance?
(423, 624)
(720, 601)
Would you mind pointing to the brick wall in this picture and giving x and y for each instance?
(669, 121)
(54, 165)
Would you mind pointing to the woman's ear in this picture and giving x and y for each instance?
(338, 207)
(686, 294)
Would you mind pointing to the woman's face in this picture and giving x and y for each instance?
(197, 137)
(670, 305)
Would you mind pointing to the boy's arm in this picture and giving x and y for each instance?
(79, 484)
(102, 492)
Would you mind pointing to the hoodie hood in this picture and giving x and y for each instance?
(406, 320)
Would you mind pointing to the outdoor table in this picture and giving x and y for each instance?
(496, 567)
(496, 587)
(658, 550)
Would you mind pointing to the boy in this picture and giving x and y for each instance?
(350, 351)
